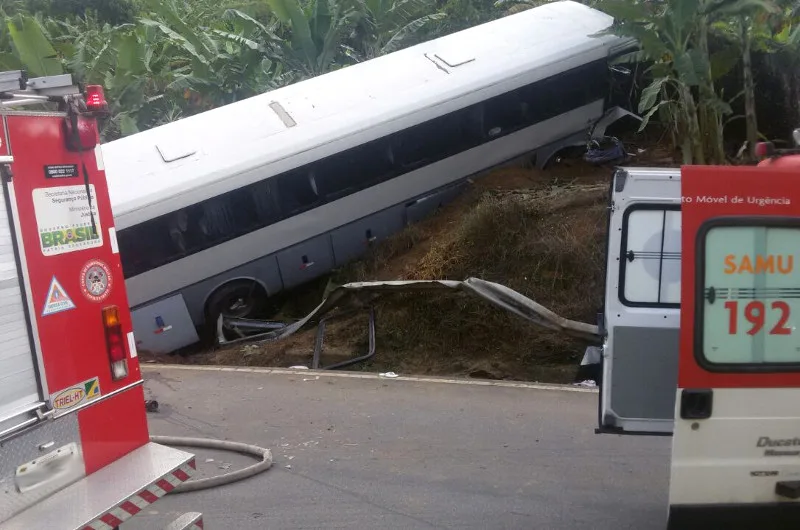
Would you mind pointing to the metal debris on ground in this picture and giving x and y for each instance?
(494, 293)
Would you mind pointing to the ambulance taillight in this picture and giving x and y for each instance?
(115, 343)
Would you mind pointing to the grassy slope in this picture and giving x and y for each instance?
(541, 233)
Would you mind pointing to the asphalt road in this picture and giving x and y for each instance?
(368, 453)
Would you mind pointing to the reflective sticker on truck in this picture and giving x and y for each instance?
(57, 299)
(64, 220)
(67, 399)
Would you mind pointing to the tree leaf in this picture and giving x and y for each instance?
(687, 69)
(249, 23)
(177, 37)
(623, 9)
(127, 125)
(400, 36)
(130, 55)
(9, 61)
(290, 13)
(32, 46)
(651, 112)
(650, 94)
(724, 60)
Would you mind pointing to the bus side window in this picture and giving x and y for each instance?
(297, 191)
(505, 114)
(436, 139)
(266, 202)
(145, 246)
(353, 170)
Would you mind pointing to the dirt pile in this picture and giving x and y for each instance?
(541, 233)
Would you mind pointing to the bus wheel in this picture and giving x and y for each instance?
(239, 299)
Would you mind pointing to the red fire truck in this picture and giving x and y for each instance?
(75, 451)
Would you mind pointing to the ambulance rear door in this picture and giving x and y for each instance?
(642, 303)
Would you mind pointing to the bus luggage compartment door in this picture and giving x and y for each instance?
(353, 240)
(163, 326)
(736, 445)
(305, 261)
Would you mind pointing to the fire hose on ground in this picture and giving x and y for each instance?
(264, 455)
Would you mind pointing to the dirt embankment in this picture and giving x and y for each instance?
(541, 233)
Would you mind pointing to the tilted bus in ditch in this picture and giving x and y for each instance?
(219, 211)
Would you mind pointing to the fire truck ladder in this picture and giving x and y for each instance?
(17, 89)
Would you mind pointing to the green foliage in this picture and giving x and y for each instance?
(674, 39)
(31, 46)
(160, 60)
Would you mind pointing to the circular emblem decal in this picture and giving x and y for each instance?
(96, 280)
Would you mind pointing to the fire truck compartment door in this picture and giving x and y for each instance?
(642, 305)
(736, 442)
(19, 387)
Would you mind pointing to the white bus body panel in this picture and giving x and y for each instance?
(168, 167)
(640, 351)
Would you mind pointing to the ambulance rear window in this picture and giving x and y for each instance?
(749, 296)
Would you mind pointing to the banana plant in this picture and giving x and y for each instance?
(317, 32)
(750, 26)
(666, 32)
(31, 49)
(389, 25)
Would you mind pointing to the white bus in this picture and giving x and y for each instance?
(219, 211)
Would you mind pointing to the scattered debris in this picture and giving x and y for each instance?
(224, 466)
(388, 374)
(249, 349)
(151, 405)
(298, 367)
(209, 460)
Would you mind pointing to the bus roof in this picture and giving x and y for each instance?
(174, 165)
